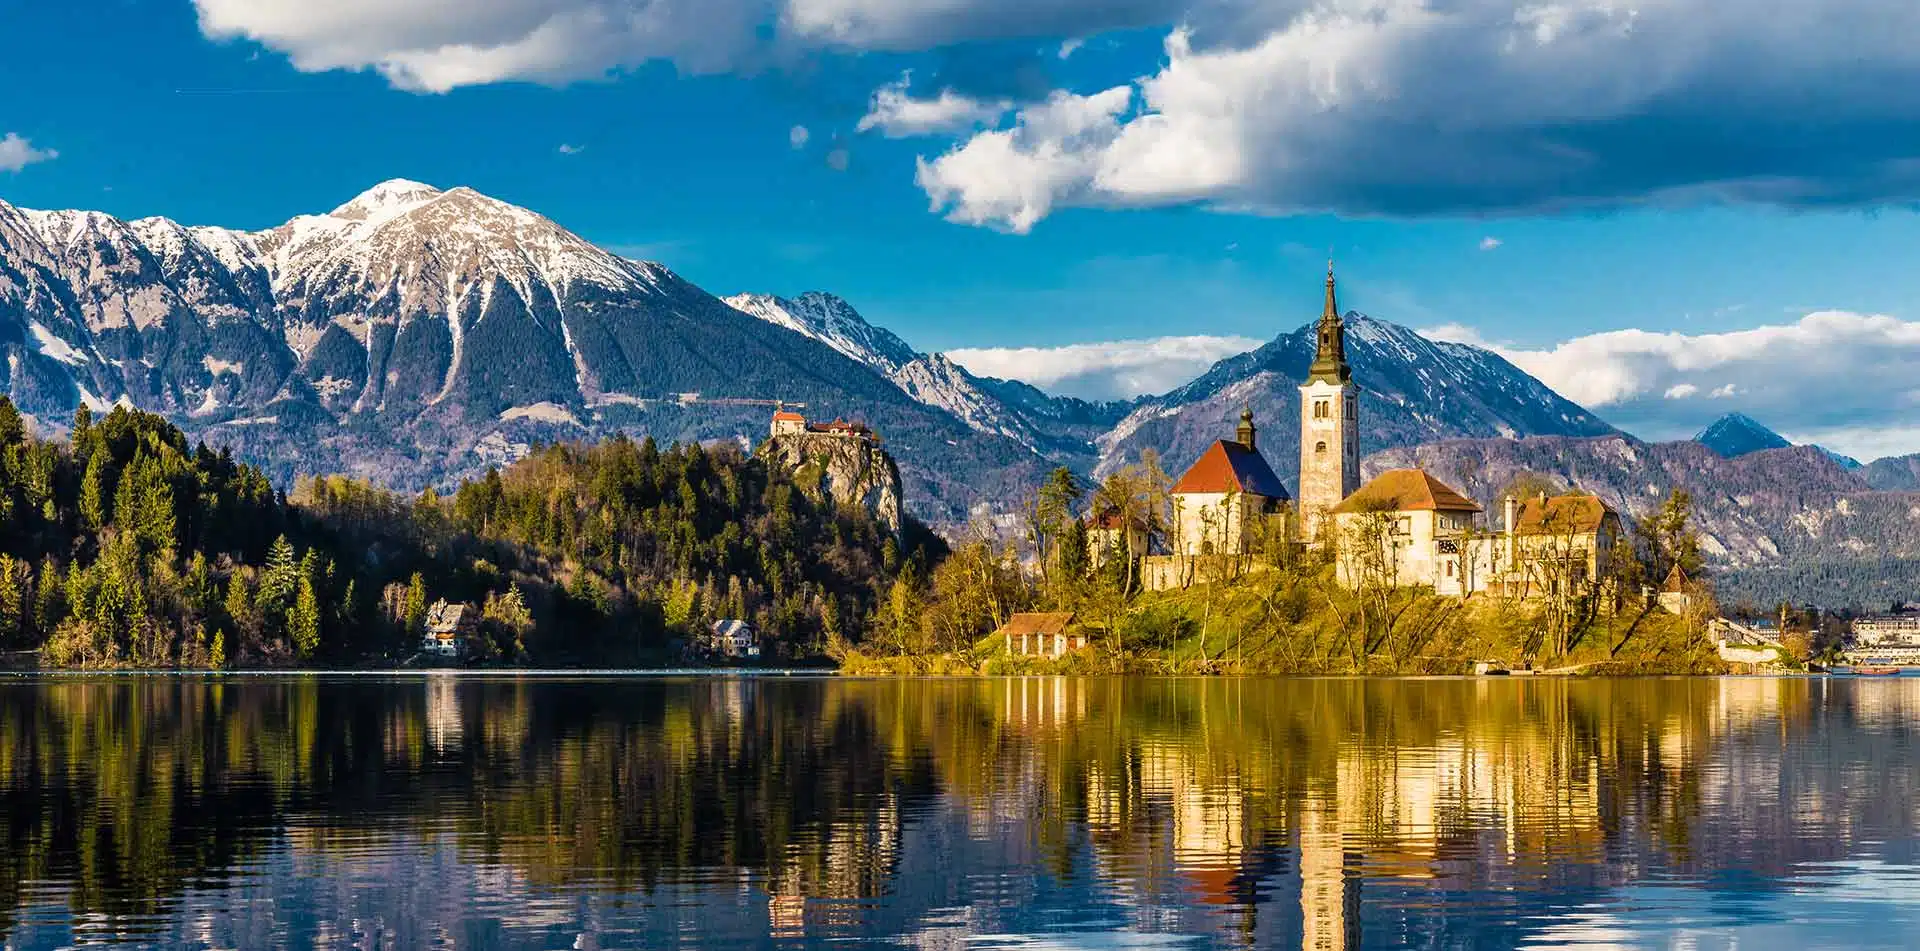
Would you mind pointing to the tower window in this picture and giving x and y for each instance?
(1320, 447)
(1320, 409)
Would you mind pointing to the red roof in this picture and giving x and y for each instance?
(1406, 490)
(788, 416)
(1231, 467)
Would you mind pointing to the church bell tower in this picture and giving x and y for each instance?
(1329, 422)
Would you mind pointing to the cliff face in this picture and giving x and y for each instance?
(841, 469)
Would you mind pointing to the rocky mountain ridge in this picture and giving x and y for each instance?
(1413, 391)
(1060, 429)
(413, 335)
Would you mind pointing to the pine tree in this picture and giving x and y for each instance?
(304, 620)
(93, 492)
(278, 582)
(414, 615)
(13, 603)
(239, 604)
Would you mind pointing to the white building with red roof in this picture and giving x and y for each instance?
(1228, 492)
(1223, 506)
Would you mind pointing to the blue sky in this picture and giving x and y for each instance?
(1098, 170)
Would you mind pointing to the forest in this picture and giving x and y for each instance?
(124, 546)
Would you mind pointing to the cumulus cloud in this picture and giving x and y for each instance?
(1839, 379)
(1116, 369)
(1357, 107)
(898, 114)
(1490, 242)
(1418, 107)
(1012, 178)
(566, 149)
(438, 45)
(17, 153)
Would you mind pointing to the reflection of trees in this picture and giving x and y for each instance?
(1197, 795)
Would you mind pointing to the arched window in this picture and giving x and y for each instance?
(1319, 409)
(1320, 446)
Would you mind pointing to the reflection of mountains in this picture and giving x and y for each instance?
(1275, 812)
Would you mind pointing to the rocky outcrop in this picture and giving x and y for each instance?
(843, 470)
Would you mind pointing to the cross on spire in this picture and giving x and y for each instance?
(1330, 353)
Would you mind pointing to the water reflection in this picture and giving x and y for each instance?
(1324, 814)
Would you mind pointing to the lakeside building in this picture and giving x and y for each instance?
(1405, 527)
(449, 626)
(735, 639)
(1041, 634)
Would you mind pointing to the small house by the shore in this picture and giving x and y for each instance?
(735, 639)
(1042, 634)
(450, 625)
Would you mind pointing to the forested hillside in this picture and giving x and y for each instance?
(129, 547)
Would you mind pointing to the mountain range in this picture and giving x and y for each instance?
(414, 335)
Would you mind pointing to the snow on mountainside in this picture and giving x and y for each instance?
(413, 335)
(932, 379)
(1413, 391)
(831, 321)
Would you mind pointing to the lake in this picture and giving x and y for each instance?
(739, 812)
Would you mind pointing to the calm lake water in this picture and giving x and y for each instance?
(440, 811)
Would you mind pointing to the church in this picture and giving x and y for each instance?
(1418, 530)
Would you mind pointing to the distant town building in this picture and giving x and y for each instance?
(1041, 635)
(735, 639)
(1887, 630)
(450, 625)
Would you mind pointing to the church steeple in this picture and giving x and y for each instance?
(1247, 433)
(1330, 357)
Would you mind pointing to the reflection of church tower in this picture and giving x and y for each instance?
(1329, 422)
(1329, 890)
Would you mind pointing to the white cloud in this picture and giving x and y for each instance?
(1111, 370)
(566, 149)
(1839, 379)
(897, 114)
(17, 153)
(438, 45)
(1397, 107)
(1423, 107)
(1490, 242)
(798, 136)
(1013, 177)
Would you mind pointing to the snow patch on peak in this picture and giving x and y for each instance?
(832, 321)
(388, 199)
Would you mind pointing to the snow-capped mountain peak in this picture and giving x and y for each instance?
(387, 200)
(832, 321)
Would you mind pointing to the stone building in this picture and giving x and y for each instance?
(1329, 423)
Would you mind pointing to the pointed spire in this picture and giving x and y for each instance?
(1330, 353)
(1332, 311)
